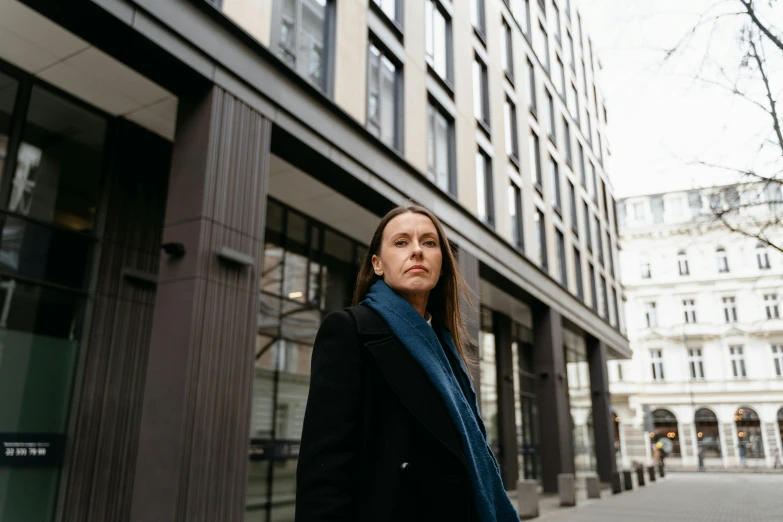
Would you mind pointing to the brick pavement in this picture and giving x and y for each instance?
(686, 497)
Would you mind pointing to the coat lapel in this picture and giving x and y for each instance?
(415, 390)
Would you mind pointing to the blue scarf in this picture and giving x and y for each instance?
(492, 503)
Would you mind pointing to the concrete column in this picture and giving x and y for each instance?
(509, 450)
(603, 422)
(194, 437)
(555, 431)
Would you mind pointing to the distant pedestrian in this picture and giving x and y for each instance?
(778, 461)
(742, 455)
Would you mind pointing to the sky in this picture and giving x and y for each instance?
(663, 120)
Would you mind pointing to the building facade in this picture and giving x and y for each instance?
(704, 323)
(188, 187)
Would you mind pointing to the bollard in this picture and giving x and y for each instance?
(617, 483)
(593, 486)
(527, 499)
(566, 488)
(651, 473)
(628, 479)
(640, 476)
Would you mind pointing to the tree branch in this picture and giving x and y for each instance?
(773, 108)
(746, 233)
(763, 28)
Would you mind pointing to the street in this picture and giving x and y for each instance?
(691, 497)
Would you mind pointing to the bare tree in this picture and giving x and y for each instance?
(753, 206)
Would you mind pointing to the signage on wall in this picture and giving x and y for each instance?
(266, 449)
(31, 449)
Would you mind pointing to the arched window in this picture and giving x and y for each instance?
(707, 433)
(682, 262)
(666, 431)
(723, 260)
(748, 424)
(762, 256)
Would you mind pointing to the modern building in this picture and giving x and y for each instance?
(705, 328)
(187, 188)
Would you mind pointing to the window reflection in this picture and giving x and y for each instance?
(308, 271)
(8, 88)
(489, 382)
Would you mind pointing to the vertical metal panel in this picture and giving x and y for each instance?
(192, 461)
(603, 421)
(101, 447)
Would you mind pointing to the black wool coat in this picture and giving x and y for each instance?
(378, 444)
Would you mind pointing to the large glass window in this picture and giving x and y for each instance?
(531, 79)
(559, 79)
(580, 291)
(572, 208)
(541, 46)
(384, 98)
(438, 39)
(567, 142)
(578, 379)
(306, 38)
(525, 402)
(707, 433)
(588, 230)
(749, 437)
(308, 271)
(51, 179)
(478, 16)
(554, 183)
(666, 431)
(593, 291)
(562, 267)
(535, 160)
(550, 117)
(489, 381)
(573, 103)
(506, 50)
(440, 148)
(538, 216)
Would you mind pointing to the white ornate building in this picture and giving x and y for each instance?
(703, 317)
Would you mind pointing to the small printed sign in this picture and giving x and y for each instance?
(30, 449)
(266, 449)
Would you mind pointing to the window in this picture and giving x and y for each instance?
(562, 267)
(771, 304)
(650, 314)
(512, 140)
(515, 208)
(600, 149)
(696, 363)
(605, 299)
(593, 289)
(531, 77)
(486, 210)
(609, 257)
(730, 309)
(572, 203)
(599, 239)
(541, 46)
(638, 211)
(478, 16)
(588, 233)
(440, 149)
(571, 53)
(542, 5)
(506, 50)
(554, 180)
(582, 171)
(383, 98)
(480, 91)
(689, 307)
(573, 103)
(541, 239)
(559, 79)
(619, 371)
(656, 357)
(682, 262)
(556, 21)
(591, 181)
(391, 9)
(645, 267)
(580, 292)
(589, 129)
(737, 362)
(535, 160)
(438, 44)
(567, 139)
(550, 117)
(306, 39)
(521, 9)
(723, 261)
(762, 256)
(584, 79)
(615, 308)
(777, 356)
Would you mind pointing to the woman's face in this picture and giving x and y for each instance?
(410, 255)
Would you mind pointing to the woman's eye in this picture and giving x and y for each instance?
(430, 243)
(399, 242)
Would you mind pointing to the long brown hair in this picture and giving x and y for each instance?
(444, 299)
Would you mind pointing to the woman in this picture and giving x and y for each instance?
(392, 430)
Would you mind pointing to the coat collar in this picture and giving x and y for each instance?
(408, 379)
